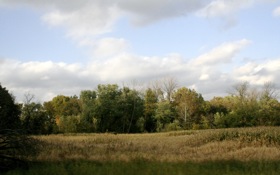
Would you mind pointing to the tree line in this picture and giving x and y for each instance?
(162, 107)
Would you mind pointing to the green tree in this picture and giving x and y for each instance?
(245, 106)
(88, 120)
(9, 111)
(15, 147)
(131, 109)
(62, 106)
(269, 106)
(50, 112)
(219, 109)
(189, 107)
(66, 106)
(165, 115)
(69, 124)
(107, 112)
(150, 107)
(35, 119)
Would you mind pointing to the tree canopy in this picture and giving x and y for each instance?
(161, 107)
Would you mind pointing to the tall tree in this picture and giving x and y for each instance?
(169, 86)
(35, 119)
(131, 109)
(189, 105)
(164, 115)
(9, 111)
(88, 120)
(107, 112)
(150, 107)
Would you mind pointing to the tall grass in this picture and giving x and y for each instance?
(222, 151)
(243, 144)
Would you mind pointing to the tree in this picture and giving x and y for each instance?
(88, 120)
(157, 89)
(164, 115)
(241, 91)
(62, 106)
(66, 106)
(50, 112)
(14, 145)
(188, 104)
(269, 91)
(35, 119)
(219, 107)
(106, 111)
(169, 86)
(9, 111)
(269, 107)
(150, 107)
(131, 109)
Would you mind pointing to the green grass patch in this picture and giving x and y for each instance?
(140, 167)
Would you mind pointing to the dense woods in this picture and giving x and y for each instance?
(162, 107)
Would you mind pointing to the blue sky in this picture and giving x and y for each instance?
(52, 47)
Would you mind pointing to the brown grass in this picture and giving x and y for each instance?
(245, 144)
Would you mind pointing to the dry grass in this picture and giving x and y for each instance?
(244, 144)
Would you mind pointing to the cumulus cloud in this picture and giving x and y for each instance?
(87, 21)
(83, 18)
(47, 79)
(90, 18)
(148, 11)
(224, 10)
(218, 8)
(110, 46)
(221, 54)
(259, 73)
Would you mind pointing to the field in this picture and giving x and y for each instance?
(220, 151)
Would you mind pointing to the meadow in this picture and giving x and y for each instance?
(218, 151)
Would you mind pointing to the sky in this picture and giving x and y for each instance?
(54, 47)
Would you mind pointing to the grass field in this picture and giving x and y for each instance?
(220, 151)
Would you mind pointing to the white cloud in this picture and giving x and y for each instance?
(222, 54)
(204, 77)
(276, 12)
(47, 79)
(218, 8)
(259, 73)
(110, 46)
(225, 10)
(89, 20)
(149, 11)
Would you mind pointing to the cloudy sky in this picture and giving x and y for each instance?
(51, 47)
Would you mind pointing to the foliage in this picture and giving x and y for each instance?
(9, 111)
(88, 120)
(164, 115)
(35, 119)
(150, 107)
(188, 104)
(163, 107)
